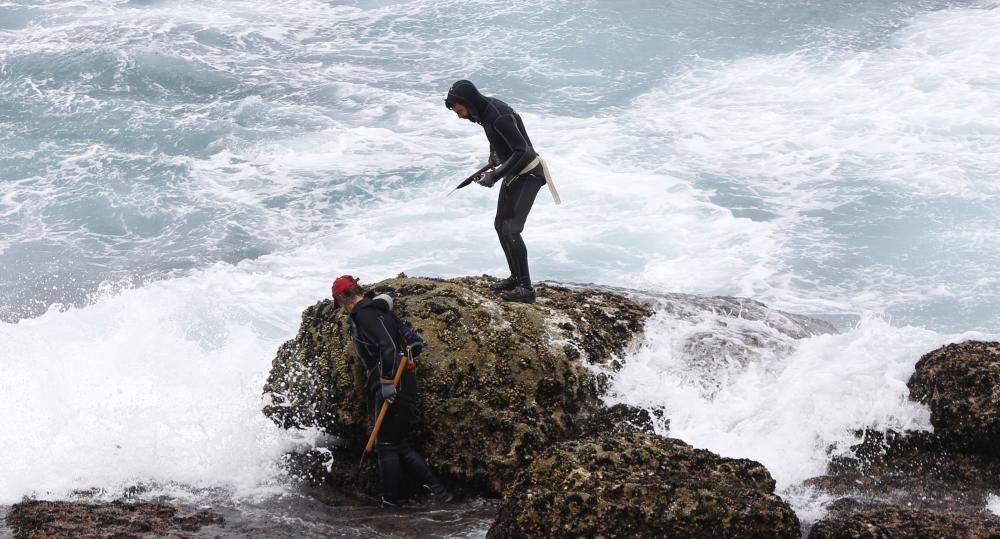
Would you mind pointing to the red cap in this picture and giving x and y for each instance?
(342, 283)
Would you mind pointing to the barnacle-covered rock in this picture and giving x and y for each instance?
(499, 382)
(642, 485)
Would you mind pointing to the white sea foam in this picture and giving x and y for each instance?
(993, 504)
(791, 408)
(160, 384)
(824, 140)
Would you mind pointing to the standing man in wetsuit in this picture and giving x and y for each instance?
(378, 340)
(519, 169)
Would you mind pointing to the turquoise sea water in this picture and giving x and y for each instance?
(178, 180)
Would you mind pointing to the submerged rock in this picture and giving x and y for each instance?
(642, 485)
(115, 519)
(961, 385)
(900, 523)
(499, 382)
(719, 337)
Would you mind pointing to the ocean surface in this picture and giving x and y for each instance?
(179, 179)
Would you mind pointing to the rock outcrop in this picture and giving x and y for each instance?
(899, 522)
(642, 485)
(960, 383)
(499, 382)
(72, 520)
(510, 404)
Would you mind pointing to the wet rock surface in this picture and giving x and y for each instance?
(499, 382)
(642, 485)
(896, 522)
(61, 519)
(621, 419)
(912, 470)
(960, 383)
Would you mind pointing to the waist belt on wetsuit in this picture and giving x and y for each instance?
(548, 178)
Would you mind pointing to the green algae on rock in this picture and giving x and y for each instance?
(642, 485)
(499, 382)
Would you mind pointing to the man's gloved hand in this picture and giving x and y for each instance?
(416, 348)
(388, 390)
(488, 179)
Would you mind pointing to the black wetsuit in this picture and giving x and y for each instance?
(511, 147)
(378, 341)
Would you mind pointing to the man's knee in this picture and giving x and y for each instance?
(510, 230)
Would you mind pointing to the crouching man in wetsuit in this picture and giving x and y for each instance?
(521, 171)
(379, 342)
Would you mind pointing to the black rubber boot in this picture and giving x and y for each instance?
(509, 283)
(523, 293)
(439, 494)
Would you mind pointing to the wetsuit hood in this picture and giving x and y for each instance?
(465, 92)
